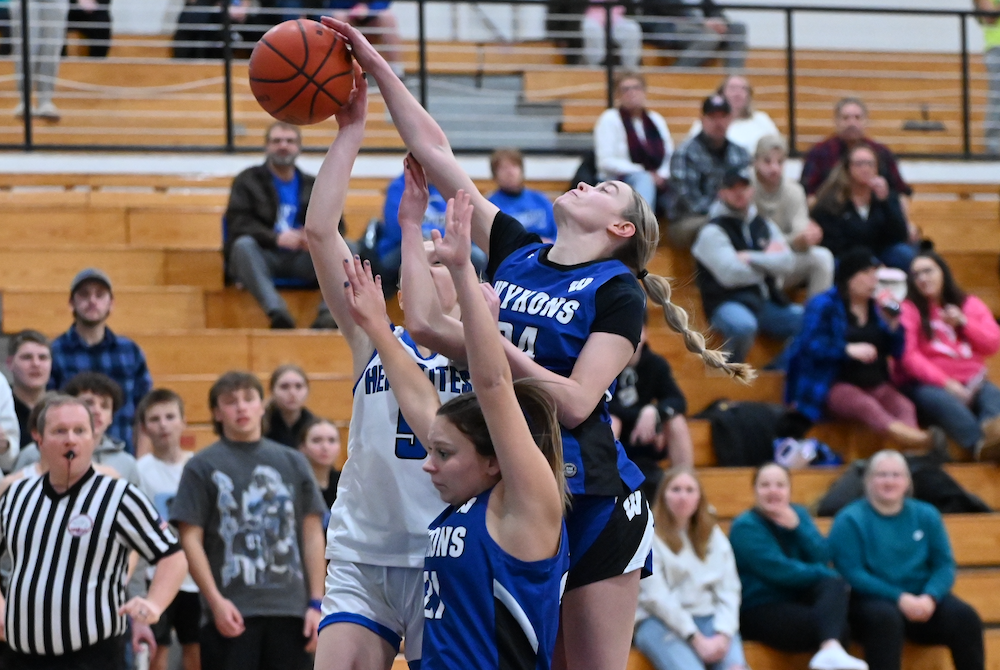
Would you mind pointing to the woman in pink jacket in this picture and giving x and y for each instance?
(949, 335)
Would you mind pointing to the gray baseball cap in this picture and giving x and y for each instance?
(90, 274)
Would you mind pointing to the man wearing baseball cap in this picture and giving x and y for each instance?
(90, 345)
(696, 170)
(742, 261)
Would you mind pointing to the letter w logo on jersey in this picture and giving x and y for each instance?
(580, 284)
(633, 505)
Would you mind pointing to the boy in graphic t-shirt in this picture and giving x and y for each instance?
(161, 416)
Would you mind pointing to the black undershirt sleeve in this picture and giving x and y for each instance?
(621, 304)
(506, 237)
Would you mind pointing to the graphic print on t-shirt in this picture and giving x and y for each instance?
(257, 527)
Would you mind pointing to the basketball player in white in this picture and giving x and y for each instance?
(378, 527)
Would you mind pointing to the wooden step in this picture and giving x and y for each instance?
(730, 490)
(915, 657)
(135, 309)
(42, 267)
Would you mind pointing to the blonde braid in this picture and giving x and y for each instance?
(658, 289)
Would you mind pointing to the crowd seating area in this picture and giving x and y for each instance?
(138, 96)
(159, 239)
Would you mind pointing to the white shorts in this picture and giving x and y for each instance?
(386, 600)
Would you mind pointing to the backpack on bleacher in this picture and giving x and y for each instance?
(743, 433)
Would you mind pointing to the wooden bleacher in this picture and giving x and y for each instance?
(153, 100)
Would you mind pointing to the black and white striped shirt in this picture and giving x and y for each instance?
(70, 554)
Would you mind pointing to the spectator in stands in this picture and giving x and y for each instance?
(264, 220)
(839, 362)
(696, 31)
(697, 168)
(792, 600)
(949, 336)
(742, 260)
(632, 143)
(161, 417)
(991, 58)
(748, 125)
(854, 214)
(783, 201)
(647, 415)
(376, 20)
(287, 414)
(10, 430)
(850, 117)
(319, 442)
(30, 365)
(894, 552)
(92, 20)
(199, 27)
(688, 613)
(90, 345)
(250, 519)
(532, 208)
(46, 34)
(391, 235)
(625, 31)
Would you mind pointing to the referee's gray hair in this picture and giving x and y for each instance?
(60, 400)
(886, 455)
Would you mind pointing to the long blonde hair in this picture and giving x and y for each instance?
(665, 524)
(636, 253)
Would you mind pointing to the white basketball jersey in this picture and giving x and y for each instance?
(385, 501)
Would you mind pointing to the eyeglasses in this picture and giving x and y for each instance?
(863, 163)
(631, 87)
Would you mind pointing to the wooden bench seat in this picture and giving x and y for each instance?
(730, 490)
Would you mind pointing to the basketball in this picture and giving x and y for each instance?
(301, 72)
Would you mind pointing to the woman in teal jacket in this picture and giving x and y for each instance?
(894, 552)
(792, 600)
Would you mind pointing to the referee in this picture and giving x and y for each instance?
(69, 533)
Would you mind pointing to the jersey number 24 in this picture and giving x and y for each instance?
(525, 341)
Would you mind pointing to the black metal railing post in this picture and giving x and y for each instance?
(29, 140)
(966, 112)
(227, 64)
(609, 56)
(422, 50)
(790, 78)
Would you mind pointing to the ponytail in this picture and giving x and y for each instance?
(658, 290)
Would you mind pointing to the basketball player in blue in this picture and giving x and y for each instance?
(572, 312)
(378, 526)
(497, 556)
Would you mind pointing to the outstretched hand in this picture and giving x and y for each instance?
(363, 295)
(416, 195)
(363, 50)
(454, 250)
(355, 110)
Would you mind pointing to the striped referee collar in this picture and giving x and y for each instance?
(55, 495)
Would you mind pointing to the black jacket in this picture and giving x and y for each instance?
(845, 229)
(679, 8)
(253, 206)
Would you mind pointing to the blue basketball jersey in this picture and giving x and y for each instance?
(483, 608)
(548, 312)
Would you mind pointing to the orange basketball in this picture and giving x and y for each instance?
(300, 72)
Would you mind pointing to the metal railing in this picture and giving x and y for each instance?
(472, 86)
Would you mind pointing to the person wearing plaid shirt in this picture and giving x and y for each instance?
(696, 171)
(850, 118)
(90, 345)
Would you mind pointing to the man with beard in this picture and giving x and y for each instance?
(265, 239)
(90, 345)
(850, 117)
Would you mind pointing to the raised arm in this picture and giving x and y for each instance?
(326, 205)
(532, 504)
(417, 398)
(421, 133)
(425, 318)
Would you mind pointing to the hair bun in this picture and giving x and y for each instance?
(926, 245)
